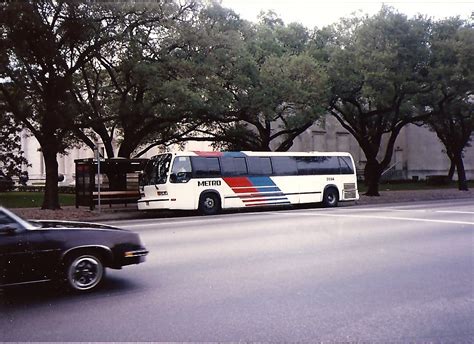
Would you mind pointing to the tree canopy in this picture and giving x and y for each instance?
(376, 66)
(270, 89)
(450, 103)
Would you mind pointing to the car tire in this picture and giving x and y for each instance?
(209, 204)
(330, 197)
(84, 271)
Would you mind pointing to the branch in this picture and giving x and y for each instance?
(343, 122)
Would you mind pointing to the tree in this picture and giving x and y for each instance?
(11, 155)
(450, 103)
(376, 65)
(43, 45)
(268, 90)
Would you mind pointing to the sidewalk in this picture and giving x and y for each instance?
(131, 211)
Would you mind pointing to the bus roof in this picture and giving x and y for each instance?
(255, 153)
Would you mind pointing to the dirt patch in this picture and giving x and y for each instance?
(415, 195)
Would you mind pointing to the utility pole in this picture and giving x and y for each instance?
(98, 176)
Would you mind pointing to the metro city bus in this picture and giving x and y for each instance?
(212, 181)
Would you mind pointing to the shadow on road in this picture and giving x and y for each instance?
(161, 214)
(52, 293)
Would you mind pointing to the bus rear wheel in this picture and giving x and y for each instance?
(330, 197)
(209, 204)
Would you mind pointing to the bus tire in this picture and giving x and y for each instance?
(330, 197)
(209, 204)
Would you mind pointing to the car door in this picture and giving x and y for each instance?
(13, 252)
(43, 249)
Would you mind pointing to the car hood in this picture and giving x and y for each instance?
(48, 224)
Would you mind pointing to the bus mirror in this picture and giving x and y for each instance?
(173, 177)
(179, 177)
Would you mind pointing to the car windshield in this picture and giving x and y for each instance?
(156, 170)
(7, 218)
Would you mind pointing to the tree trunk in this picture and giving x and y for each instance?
(125, 150)
(117, 180)
(108, 149)
(462, 182)
(51, 197)
(372, 174)
(451, 169)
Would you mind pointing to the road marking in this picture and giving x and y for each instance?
(160, 223)
(387, 209)
(413, 210)
(386, 218)
(455, 212)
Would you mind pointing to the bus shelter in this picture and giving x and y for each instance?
(118, 181)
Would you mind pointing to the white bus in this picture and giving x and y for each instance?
(211, 181)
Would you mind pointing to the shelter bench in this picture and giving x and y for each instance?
(116, 197)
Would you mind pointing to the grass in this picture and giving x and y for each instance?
(421, 185)
(16, 199)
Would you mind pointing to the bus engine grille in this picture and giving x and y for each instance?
(349, 190)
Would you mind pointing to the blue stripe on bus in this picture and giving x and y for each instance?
(262, 181)
(268, 189)
(265, 199)
(269, 203)
(263, 196)
(234, 154)
(257, 190)
(255, 195)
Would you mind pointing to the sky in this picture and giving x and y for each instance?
(318, 13)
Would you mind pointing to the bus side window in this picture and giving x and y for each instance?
(346, 165)
(330, 165)
(233, 166)
(318, 165)
(284, 166)
(205, 167)
(308, 166)
(259, 166)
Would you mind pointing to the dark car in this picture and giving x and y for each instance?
(6, 183)
(74, 252)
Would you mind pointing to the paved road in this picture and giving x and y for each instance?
(383, 273)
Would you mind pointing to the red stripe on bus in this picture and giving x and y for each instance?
(209, 154)
(240, 185)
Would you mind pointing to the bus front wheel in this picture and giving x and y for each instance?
(330, 197)
(209, 204)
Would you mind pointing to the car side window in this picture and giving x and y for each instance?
(6, 222)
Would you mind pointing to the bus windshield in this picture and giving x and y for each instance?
(156, 170)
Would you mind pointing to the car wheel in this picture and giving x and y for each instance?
(209, 204)
(330, 197)
(84, 272)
